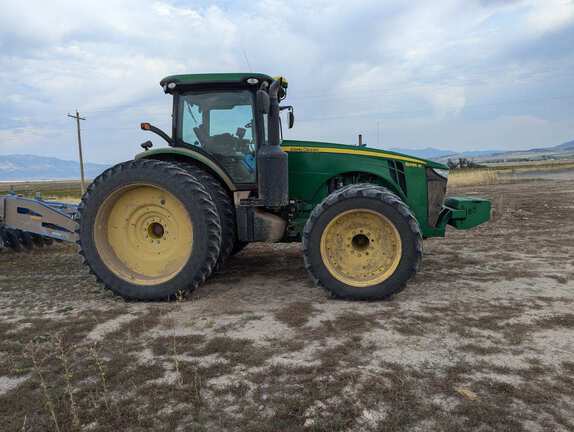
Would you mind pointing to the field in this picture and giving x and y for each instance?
(60, 190)
(497, 173)
(482, 339)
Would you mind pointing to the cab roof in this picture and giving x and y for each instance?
(212, 78)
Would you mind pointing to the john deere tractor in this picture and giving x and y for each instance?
(160, 224)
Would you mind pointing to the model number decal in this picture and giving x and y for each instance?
(357, 152)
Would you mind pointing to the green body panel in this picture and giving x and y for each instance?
(213, 78)
(372, 152)
(312, 165)
(182, 153)
(467, 212)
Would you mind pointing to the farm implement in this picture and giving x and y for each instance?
(27, 223)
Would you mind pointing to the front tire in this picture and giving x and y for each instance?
(149, 230)
(362, 243)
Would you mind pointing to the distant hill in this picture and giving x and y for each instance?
(561, 151)
(436, 154)
(29, 167)
(567, 146)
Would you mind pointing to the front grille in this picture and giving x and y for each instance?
(397, 170)
(436, 190)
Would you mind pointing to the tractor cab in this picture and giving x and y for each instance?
(232, 119)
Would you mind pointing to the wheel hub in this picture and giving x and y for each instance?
(155, 231)
(361, 247)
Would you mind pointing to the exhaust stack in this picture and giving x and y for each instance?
(273, 176)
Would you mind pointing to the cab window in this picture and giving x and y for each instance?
(221, 123)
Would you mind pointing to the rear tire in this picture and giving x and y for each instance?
(149, 230)
(225, 209)
(362, 243)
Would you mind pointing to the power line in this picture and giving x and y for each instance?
(466, 107)
(360, 91)
(246, 59)
(384, 113)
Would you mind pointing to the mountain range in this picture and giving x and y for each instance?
(30, 167)
(561, 151)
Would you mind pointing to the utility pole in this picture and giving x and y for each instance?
(78, 118)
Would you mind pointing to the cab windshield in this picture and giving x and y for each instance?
(221, 123)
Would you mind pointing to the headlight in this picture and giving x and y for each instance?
(441, 172)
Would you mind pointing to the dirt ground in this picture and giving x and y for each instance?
(482, 339)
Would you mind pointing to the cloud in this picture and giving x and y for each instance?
(550, 15)
(414, 67)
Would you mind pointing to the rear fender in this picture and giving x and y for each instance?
(184, 154)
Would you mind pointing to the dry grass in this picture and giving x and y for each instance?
(472, 177)
(496, 173)
(533, 166)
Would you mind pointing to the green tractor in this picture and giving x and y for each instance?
(160, 224)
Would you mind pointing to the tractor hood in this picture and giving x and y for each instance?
(323, 147)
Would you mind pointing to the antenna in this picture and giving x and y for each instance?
(246, 59)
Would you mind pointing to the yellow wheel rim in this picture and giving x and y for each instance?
(361, 248)
(143, 234)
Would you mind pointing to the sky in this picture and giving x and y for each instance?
(457, 75)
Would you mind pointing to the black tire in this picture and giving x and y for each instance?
(4, 239)
(188, 191)
(374, 198)
(238, 247)
(38, 241)
(10, 238)
(25, 240)
(225, 209)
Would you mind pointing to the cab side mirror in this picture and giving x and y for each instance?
(290, 119)
(290, 115)
(262, 102)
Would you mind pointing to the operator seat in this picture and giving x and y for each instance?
(202, 135)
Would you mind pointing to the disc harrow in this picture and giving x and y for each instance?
(34, 223)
